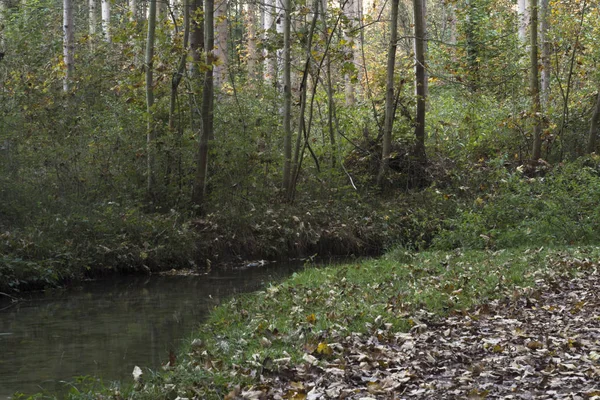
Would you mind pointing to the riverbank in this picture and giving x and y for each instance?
(338, 321)
(491, 207)
(66, 247)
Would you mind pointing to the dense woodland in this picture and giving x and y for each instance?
(147, 135)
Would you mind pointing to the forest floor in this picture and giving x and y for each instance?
(520, 323)
(544, 344)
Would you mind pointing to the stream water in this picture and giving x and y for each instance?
(107, 327)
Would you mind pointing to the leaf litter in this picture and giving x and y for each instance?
(540, 343)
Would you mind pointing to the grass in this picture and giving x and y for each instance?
(254, 332)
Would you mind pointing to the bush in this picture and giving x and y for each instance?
(560, 208)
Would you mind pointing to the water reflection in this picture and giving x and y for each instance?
(108, 327)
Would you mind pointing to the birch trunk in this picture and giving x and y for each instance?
(133, 14)
(68, 46)
(151, 130)
(523, 18)
(106, 20)
(281, 20)
(388, 123)
(251, 56)
(92, 17)
(269, 56)
(534, 83)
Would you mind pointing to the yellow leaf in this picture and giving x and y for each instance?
(323, 348)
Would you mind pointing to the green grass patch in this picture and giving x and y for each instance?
(250, 333)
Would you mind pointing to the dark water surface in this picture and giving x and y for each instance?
(107, 327)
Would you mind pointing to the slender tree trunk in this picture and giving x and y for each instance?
(523, 16)
(287, 95)
(174, 160)
(207, 109)
(68, 45)
(92, 17)
(2, 19)
(544, 27)
(330, 103)
(280, 26)
(591, 147)
(420, 81)
(178, 74)
(534, 83)
(303, 92)
(388, 123)
(196, 36)
(133, 13)
(106, 20)
(251, 40)
(349, 8)
(151, 129)
(221, 38)
(269, 28)
(196, 12)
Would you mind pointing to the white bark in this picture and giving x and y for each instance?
(523, 15)
(132, 10)
(68, 47)
(92, 17)
(251, 39)
(106, 20)
(269, 26)
(281, 6)
(222, 34)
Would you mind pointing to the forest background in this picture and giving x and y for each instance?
(143, 136)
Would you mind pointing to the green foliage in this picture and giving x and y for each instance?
(92, 240)
(556, 209)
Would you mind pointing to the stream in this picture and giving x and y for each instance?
(104, 328)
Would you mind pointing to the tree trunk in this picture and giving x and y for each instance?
(106, 20)
(178, 74)
(303, 91)
(133, 14)
(534, 83)
(287, 95)
(545, 41)
(151, 129)
(221, 39)
(349, 8)
(251, 40)
(523, 18)
(280, 25)
(594, 127)
(389, 95)
(269, 56)
(330, 103)
(199, 196)
(420, 82)
(92, 17)
(196, 36)
(68, 45)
